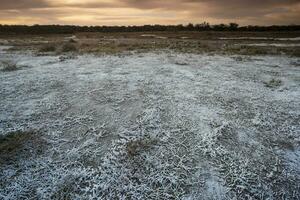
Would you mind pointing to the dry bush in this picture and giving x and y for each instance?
(68, 47)
(134, 147)
(8, 65)
(19, 144)
(66, 189)
(273, 83)
(48, 48)
(181, 63)
(68, 57)
(72, 41)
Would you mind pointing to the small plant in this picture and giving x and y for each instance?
(20, 144)
(72, 41)
(181, 63)
(8, 65)
(64, 58)
(66, 188)
(238, 58)
(134, 147)
(273, 83)
(68, 47)
(48, 48)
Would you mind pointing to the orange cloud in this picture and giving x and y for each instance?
(135, 12)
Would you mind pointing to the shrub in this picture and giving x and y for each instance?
(72, 41)
(20, 144)
(8, 66)
(68, 47)
(181, 63)
(64, 58)
(134, 147)
(48, 48)
(273, 83)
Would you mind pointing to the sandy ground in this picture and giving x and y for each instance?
(152, 126)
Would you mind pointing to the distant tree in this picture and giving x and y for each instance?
(67, 29)
(190, 27)
(179, 27)
(220, 27)
(202, 27)
(233, 26)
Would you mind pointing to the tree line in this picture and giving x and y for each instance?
(69, 29)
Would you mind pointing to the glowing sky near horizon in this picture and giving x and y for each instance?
(139, 12)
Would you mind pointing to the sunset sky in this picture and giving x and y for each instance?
(139, 12)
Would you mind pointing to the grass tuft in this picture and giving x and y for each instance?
(134, 147)
(20, 144)
(48, 48)
(273, 83)
(68, 47)
(8, 65)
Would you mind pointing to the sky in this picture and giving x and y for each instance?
(140, 12)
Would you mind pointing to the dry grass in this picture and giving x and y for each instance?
(8, 65)
(181, 63)
(134, 147)
(72, 41)
(68, 47)
(48, 48)
(273, 83)
(20, 144)
(195, 42)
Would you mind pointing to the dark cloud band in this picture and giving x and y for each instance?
(268, 11)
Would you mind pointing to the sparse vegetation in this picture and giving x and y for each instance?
(72, 41)
(48, 48)
(68, 47)
(197, 42)
(204, 26)
(8, 65)
(134, 147)
(19, 144)
(64, 58)
(273, 83)
(181, 63)
(145, 126)
(66, 188)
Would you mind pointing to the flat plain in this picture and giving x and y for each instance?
(209, 115)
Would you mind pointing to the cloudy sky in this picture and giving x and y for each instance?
(138, 12)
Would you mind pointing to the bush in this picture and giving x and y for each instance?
(8, 66)
(273, 83)
(181, 63)
(68, 47)
(47, 48)
(20, 144)
(72, 41)
(134, 147)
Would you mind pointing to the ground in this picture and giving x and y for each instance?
(160, 124)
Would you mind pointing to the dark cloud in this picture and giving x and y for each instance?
(243, 11)
(151, 4)
(254, 11)
(22, 4)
